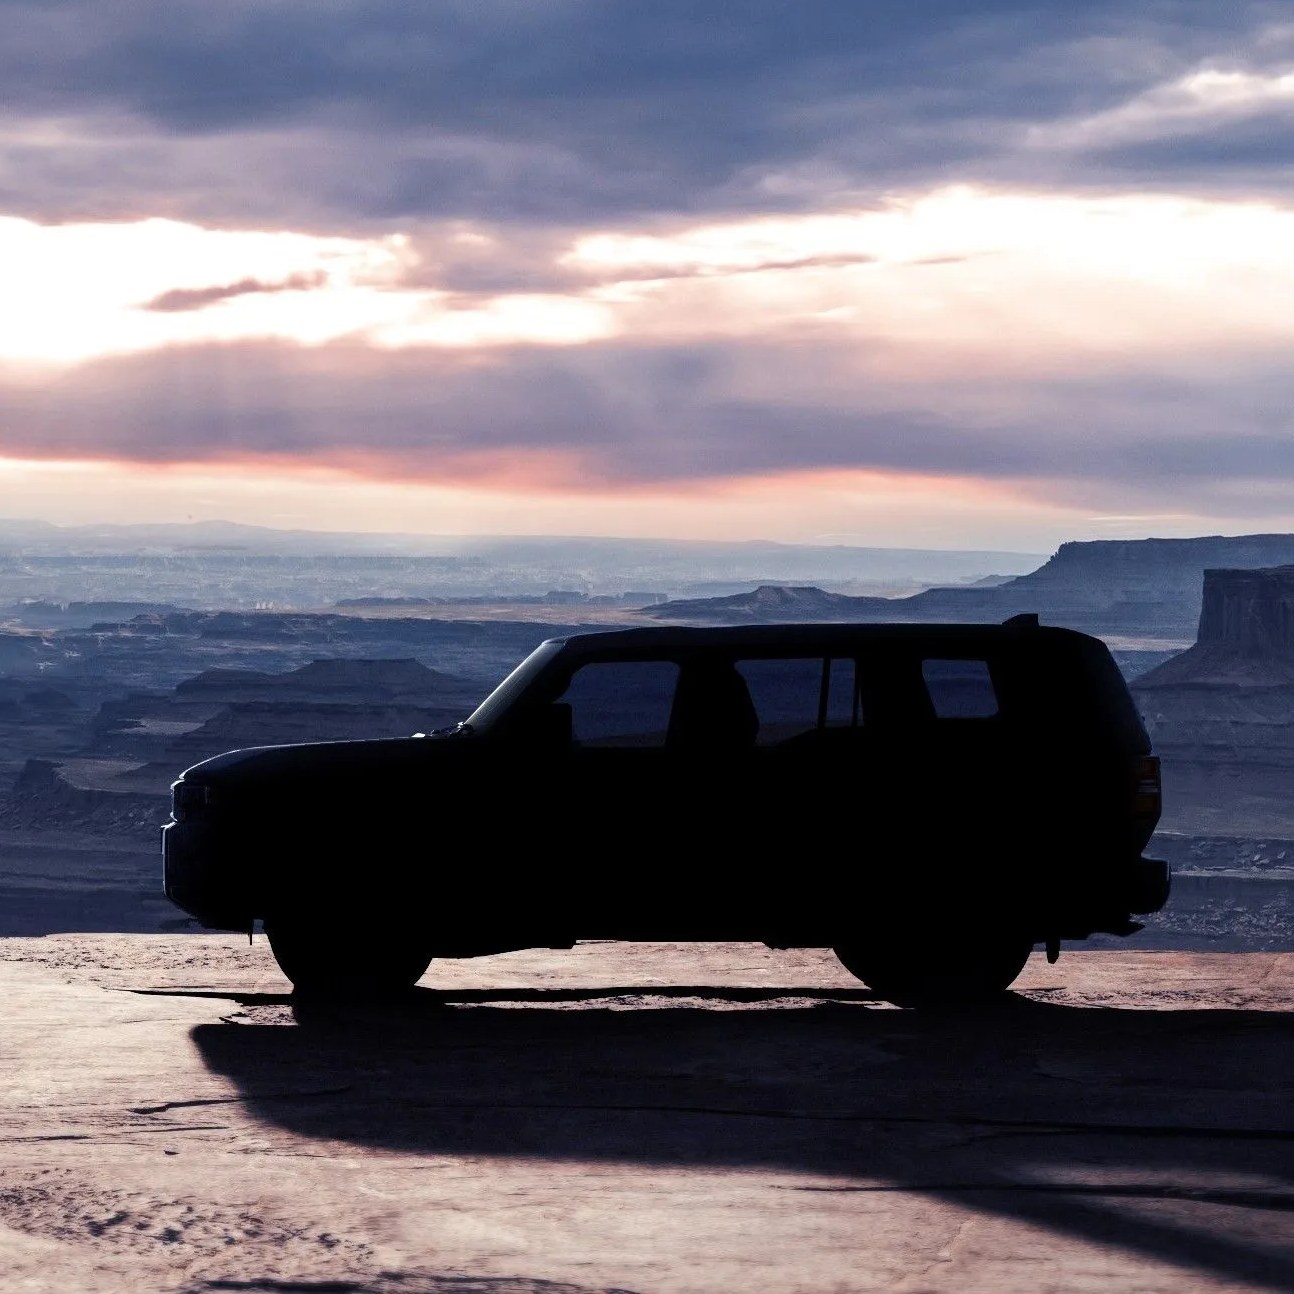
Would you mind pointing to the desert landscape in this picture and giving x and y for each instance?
(630, 1117)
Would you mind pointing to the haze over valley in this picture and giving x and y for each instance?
(223, 566)
(252, 637)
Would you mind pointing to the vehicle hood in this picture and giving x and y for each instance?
(264, 766)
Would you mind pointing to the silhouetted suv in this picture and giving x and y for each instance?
(930, 801)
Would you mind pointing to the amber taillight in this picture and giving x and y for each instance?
(1148, 800)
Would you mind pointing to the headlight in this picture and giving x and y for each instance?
(189, 799)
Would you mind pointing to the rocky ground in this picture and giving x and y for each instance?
(644, 1118)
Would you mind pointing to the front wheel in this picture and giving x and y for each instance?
(938, 971)
(325, 954)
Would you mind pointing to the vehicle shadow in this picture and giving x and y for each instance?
(1169, 1133)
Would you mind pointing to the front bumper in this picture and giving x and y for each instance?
(197, 876)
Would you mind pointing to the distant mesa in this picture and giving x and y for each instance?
(1251, 610)
(98, 616)
(48, 794)
(34, 607)
(1245, 637)
(1143, 587)
(361, 603)
(331, 680)
(221, 682)
(333, 677)
(1149, 587)
(116, 610)
(138, 743)
(772, 602)
(552, 598)
(1221, 714)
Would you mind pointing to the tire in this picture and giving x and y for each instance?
(938, 971)
(350, 958)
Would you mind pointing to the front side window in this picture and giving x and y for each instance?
(621, 703)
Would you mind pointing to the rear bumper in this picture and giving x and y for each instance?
(1149, 885)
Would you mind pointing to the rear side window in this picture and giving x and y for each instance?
(799, 695)
(960, 689)
(621, 703)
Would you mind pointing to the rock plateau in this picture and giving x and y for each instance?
(1221, 714)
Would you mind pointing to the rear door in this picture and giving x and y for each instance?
(808, 792)
(616, 802)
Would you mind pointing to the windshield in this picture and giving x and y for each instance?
(502, 699)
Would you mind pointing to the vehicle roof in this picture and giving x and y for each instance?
(665, 638)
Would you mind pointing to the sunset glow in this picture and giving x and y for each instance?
(1037, 273)
(842, 507)
(80, 292)
(1097, 274)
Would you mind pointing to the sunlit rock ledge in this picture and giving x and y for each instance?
(621, 1117)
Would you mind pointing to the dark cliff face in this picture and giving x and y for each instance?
(1221, 714)
(1147, 586)
(1250, 610)
(1168, 563)
(1245, 638)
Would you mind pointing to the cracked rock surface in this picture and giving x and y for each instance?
(640, 1118)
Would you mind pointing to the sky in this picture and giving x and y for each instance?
(926, 273)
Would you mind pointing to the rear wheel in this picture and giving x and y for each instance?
(938, 970)
(352, 957)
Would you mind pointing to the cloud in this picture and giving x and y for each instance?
(618, 417)
(78, 291)
(345, 112)
(179, 299)
(958, 277)
(1195, 103)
